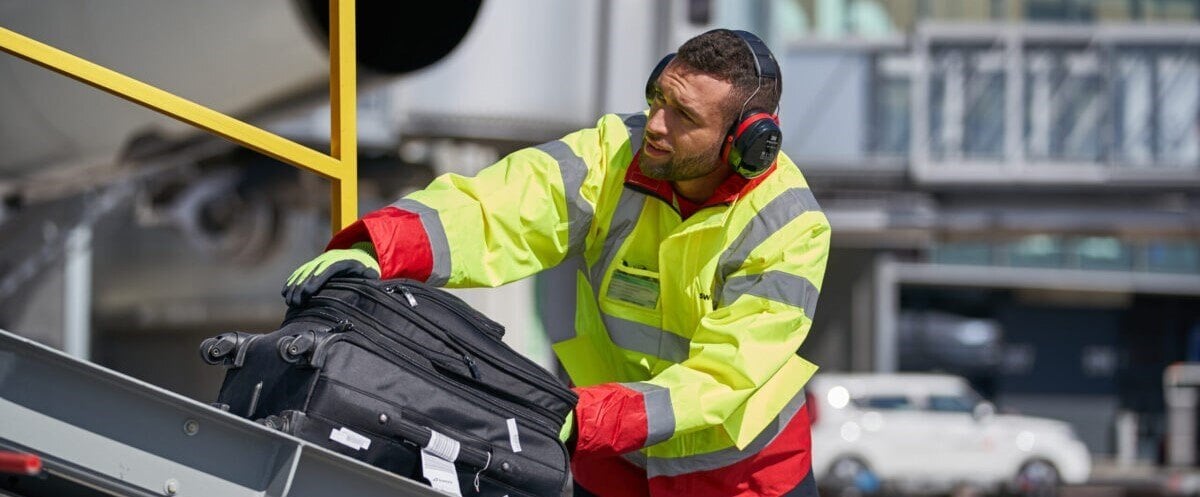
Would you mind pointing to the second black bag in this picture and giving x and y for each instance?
(395, 372)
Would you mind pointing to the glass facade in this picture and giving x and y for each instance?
(1120, 103)
(1093, 93)
(966, 103)
(891, 102)
(1065, 107)
(872, 18)
(1099, 253)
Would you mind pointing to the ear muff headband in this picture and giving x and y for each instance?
(653, 79)
(754, 139)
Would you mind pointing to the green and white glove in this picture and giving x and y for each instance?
(356, 261)
(568, 428)
(567, 433)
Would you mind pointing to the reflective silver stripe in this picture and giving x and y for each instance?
(660, 466)
(779, 286)
(554, 287)
(635, 124)
(773, 217)
(579, 212)
(439, 245)
(629, 208)
(660, 415)
(637, 458)
(635, 336)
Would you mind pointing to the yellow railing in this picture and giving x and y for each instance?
(340, 167)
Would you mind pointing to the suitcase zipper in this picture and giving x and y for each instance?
(489, 327)
(464, 356)
(543, 412)
(345, 325)
(548, 430)
(535, 371)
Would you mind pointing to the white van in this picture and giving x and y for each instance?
(931, 433)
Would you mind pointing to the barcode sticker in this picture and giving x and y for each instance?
(350, 439)
(440, 473)
(514, 438)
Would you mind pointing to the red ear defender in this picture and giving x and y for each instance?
(753, 144)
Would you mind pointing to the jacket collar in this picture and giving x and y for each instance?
(734, 187)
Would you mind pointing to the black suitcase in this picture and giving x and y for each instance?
(390, 371)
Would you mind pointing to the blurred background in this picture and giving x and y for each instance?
(1014, 185)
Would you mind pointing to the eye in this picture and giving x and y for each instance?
(655, 96)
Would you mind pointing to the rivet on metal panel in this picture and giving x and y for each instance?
(191, 427)
(171, 487)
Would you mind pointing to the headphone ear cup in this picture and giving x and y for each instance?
(653, 79)
(754, 145)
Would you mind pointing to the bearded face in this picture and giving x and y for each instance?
(687, 124)
(680, 165)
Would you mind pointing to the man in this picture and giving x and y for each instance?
(699, 257)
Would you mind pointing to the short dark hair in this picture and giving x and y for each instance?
(723, 55)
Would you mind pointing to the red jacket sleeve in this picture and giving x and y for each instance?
(401, 243)
(610, 420)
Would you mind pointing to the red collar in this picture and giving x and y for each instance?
(727, 192)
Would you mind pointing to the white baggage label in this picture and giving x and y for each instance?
(440, 473)
(514, 438)
(350, 439)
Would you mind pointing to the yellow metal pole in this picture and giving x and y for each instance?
(179, 108)
(343, 111)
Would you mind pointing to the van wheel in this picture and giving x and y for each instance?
(850, 477)
(1037, 478)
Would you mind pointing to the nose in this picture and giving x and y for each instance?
(657, 123)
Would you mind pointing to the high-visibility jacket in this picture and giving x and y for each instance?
(688, 317)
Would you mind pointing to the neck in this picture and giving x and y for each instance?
(700, 189)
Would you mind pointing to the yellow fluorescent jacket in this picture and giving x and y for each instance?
(686, 327)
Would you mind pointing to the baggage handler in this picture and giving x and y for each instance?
(699, 253)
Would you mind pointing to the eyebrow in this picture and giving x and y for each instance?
(687, 109)
(684, 107)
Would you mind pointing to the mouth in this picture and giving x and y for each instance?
(653, 150)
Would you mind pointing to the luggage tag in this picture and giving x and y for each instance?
(437, 463)
(349, 438)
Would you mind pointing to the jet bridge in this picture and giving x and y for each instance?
(101, 433)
